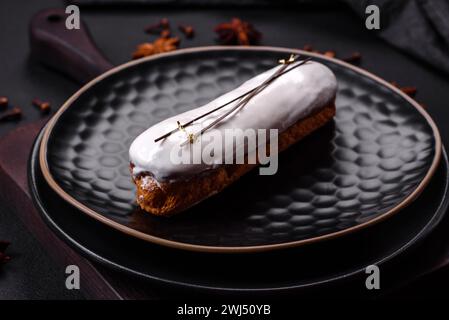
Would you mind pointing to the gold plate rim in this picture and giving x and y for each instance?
(232, 249)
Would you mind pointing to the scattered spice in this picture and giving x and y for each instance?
(10, 115)
(330, 54)
(394, 84)
(308, 47)
(237, 32)
(159, 46)
(410, 91)
(355, 57)
(163, 24)
(3, 102)
(166, 33)
(44, 106)
(188, 31)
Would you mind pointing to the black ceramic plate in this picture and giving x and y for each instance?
(369, 163)
(316, 265)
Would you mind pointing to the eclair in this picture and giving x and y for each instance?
(291, 106)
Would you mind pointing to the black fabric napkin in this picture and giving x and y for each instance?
(418, 27)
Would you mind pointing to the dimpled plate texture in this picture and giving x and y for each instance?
(356, 168)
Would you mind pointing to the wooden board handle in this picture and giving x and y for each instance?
(72, 52)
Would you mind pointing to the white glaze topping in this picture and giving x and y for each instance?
(284, 102)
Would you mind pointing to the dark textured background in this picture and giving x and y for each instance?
(31, 273)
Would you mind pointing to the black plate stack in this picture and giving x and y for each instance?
(371, 162)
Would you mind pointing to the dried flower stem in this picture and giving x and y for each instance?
(227, 103)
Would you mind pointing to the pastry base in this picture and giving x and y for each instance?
(167, 198)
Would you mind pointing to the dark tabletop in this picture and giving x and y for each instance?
(32, 273)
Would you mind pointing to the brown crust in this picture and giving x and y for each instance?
(167, 198)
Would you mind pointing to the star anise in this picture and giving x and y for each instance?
(355, 57)
(11, 115)
(160, 45)
(237, 32)
(4, 102)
